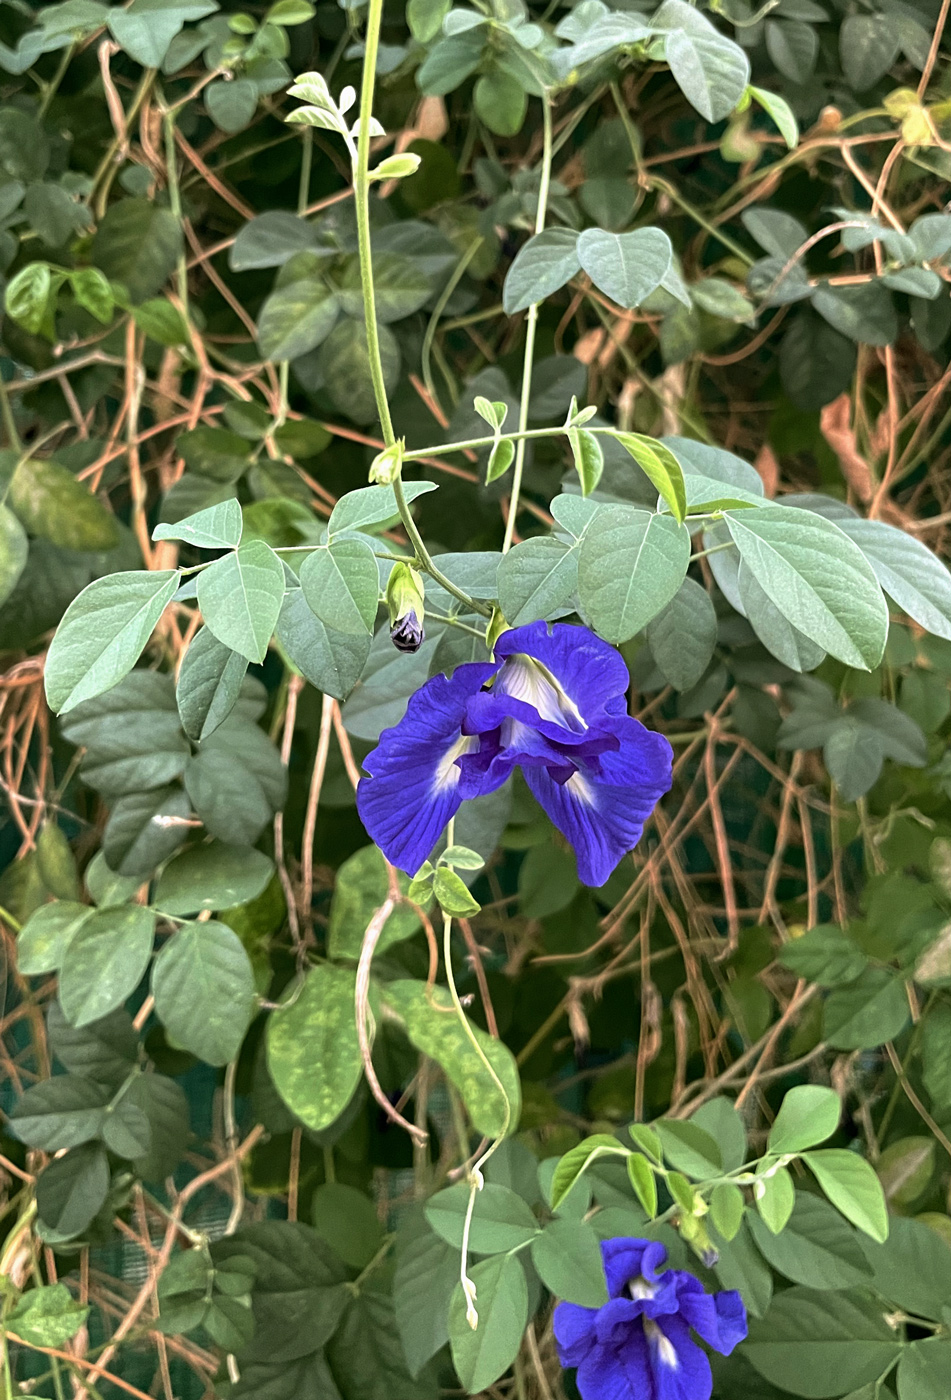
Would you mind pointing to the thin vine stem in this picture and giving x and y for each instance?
(531, 323)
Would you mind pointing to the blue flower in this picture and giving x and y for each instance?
(552, 703)
(638, 1345)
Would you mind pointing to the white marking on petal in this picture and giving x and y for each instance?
(528, 680)
(640, 1288)
(666, 1351)
(581, 789)
(447, 774)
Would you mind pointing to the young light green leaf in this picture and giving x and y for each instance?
(452, 895)
(780, 111)
(808, 1115)
(103, 633)
(775, 1197)
(500, 459)
(853, 1188)
(726, 1209)
(644, 1182)
(574, 1162)
(661, 467)
(588, 458)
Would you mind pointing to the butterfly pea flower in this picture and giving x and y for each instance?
(551, 703)
(639, 1346)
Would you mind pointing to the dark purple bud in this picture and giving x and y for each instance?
(407, 633)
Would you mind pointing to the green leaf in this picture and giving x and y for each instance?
(793, 46)
(209, 683)
(781, 112)
(236, 781)
(60, 1112)
(348, 1221)
(103, 634)
(365, 1354)
(47, 1316)
(298, 1298)
(144, 829)
(203, 986)
(865, 313)
(313, 1053)
(727, 1207)
(547, 262)
(631, 565)
(588, 458)
(400, 283)
(574, 1162)
(344, 363)
(689, 1148)
(270, 240)
(910, 573)
(105, 961)
(452, 895)
(131, 736)
(661, 467)
(483, 1354)
(775, 1197)
(869, 1011)
(501, 1221)
(296, 318)
(147, 27)
(644, 1182)
(72, 1190)
(240, 598)
(28, 295)
(106, 1051)
(218, 527)
(825, 954)
(162, 322)
(433, 1028)
(341, 583)
(425, 18)
(567, 1255)
(816, 1247)
(817, 579)
(92, 291)
(853, 1188)
(711, 71)
(776, 633)
(911, 1267)
(361, 886)
(44, 938)
(210, 877)
(808, 1115)
(232, 104)
(50, 502)
(536, 579)
(924, 1371)
(14, 550)
(426, 1270)
(138, 244)
(683, 635)
(372, 505)
(627, 267)
(500, 459)
(820, 1344)
(868, 46)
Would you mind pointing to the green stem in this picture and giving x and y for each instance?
(9, 422)
(531, 323)
(52, 87)
(361, 193)
(439, 308)
(424, 557)
(175, 203)
(306, 161)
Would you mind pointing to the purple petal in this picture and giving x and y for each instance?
(617, 1373)
(592, 674)
(574, 1332)
(624, 1259)
(603, 813)
(679, 1367)
(416, 783)
(616, 1319)
(719, 1318)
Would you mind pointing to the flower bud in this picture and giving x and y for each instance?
(386, 465)
(405, 600)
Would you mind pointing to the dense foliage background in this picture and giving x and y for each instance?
(209, 1180)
